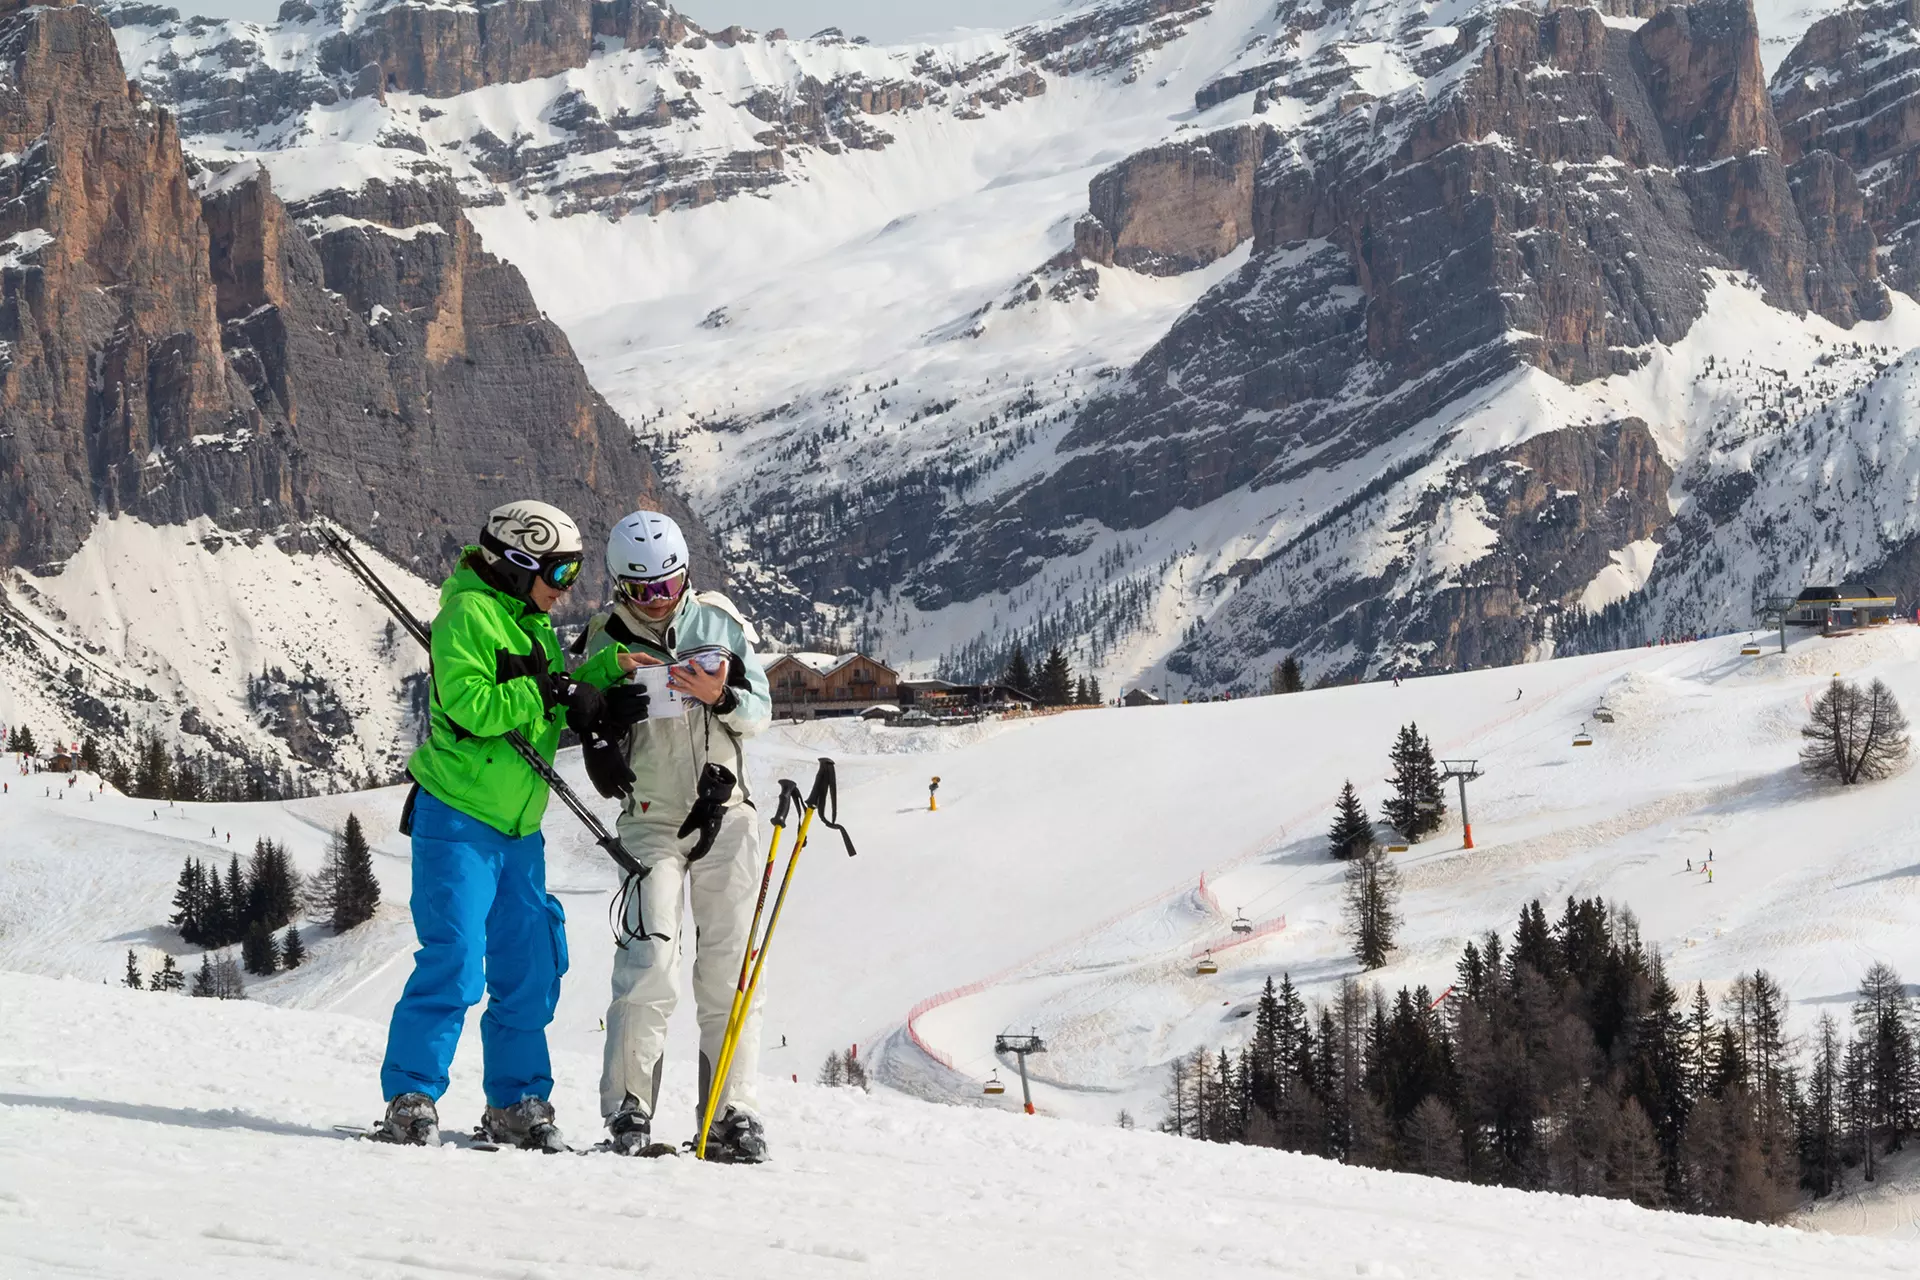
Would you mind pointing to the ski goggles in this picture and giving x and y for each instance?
(559, 572)
(667, 588)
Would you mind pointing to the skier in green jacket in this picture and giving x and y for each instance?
(480, 905)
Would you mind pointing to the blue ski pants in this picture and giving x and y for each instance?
(486, 924)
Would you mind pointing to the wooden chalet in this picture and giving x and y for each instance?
(812, 686)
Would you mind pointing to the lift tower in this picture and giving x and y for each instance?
(1020, 1047)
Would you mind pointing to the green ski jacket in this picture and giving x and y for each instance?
(490, 654)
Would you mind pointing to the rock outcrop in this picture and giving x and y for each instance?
(1851, 89)
(362, 358)
(1174, 208)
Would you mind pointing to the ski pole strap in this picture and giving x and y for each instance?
(630, 901)
(824, 800)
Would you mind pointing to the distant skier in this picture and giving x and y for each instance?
(687, 816)
(1517, 693)
(1709, 875)
(1689, 864)
(480, 904)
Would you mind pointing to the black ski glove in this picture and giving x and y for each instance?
(607, 768)
(716, 789)
(584, 703)
(626, 707)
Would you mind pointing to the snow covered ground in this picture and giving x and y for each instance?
(208, 1153)
(1061, 877)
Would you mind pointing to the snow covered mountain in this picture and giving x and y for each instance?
(1184, 332)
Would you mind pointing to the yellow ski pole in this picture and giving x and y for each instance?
(824, 796)
(789, 796)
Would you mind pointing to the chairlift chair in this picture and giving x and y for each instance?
(1751, 649)
(1241, 924)
(994, 1087)
(1583, 738)
(1207, 965)
(1603, 713)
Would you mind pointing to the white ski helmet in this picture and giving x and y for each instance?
(645, 547)
(525, 540)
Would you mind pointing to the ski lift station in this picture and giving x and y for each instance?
(1841, 608)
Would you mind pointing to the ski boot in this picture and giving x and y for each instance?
(527, 1124)
(411, 1120)
(630, 1132)
(737, 1138)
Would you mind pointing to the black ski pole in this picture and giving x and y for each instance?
(607, 840)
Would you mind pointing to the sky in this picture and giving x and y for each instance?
(883, 21)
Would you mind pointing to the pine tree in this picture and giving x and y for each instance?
(357, 892)
(239, 901)
(1056, 679)
(1882, 1023)
(23, 742)
(216, 924)
(293, 951)
(272, 895)
(1080, 696)
(133, 978)
(1822, 1119)
(153, 780)
(258, 952)
(1352, 833)
(1095, 697)
(189, 902)
(203, 985)
(1291, 681)
(833, 1072)
(1018, 677)
(1402, 808)
(89, 755)
(168, 976)
(1372, 893)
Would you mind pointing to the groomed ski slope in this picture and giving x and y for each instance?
(152, 1138)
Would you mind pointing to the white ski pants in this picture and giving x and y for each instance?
(646, 974)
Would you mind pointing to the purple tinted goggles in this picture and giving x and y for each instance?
(668, 588)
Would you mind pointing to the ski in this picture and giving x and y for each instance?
(476, 1141)
(652, 1151)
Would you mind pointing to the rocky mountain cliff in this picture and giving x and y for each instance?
(177, 344)
(1183, 333)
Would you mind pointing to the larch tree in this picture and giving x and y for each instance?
(1854, 735)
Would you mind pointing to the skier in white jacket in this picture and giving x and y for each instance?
(681, 768)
